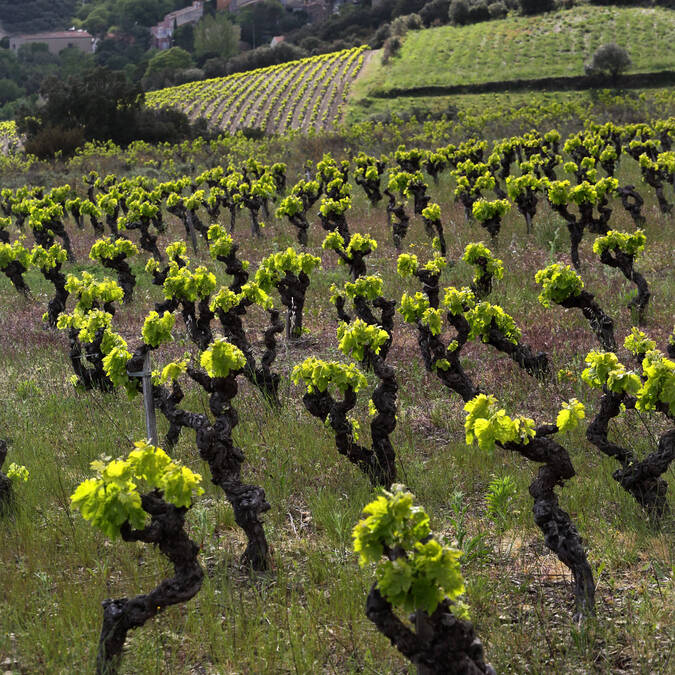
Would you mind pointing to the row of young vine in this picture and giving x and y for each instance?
(415, 571)
(304, 94)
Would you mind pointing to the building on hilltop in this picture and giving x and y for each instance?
(56, 41)
(162, 33)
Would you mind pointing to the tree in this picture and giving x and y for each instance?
(528, 7)
(610, 59)
(101, 102)
(171, 59)
(459, 12)
(216, 36)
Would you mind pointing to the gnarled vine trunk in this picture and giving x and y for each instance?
(166, 530)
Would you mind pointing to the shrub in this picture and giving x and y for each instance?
(50, 140)
(528, 7)
(611, 59)
(380, 36)
(391, 48)
(497, 10)
(435, 12)
(479, 11)
(459, 12)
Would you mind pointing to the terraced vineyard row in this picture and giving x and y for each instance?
(305, 94)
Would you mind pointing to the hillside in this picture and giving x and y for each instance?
(551, 45)
(33, 16)
(303, 95)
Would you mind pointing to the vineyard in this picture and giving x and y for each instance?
(298, 95)
(517, 48)
(435, 383)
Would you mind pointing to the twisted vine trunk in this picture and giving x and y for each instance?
(147, 240)
(560, 533)
(434, 351)
(300, 222)
(397, 219)
(216, 447)
(633, 203)
(6, 495)
(58, 303)
(536, 364)
(292, 290)
(482, 286)
(125, 276)
(261, 377)
(444, 645)
(434, 228)
(378, 463)
(94, 377)
(575, 228)
(640, 478)
(624, 263)
(14, 271)
(166, 530)
(527, 205)
(601, 324)
(336, 223)
(235, 268)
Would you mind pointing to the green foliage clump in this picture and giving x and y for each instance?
(171, 371)
(112, 498)
(221, 242)
(222, 358)
(487, 424)
(408, 265)
(91, 292)
(485, 315)
(571, 413)
(424, 572)
(273, 269)
(368, 287)
(18, 473)
(157, 329)
(317, 375)
(493, 267)
(630, 244)
(637, 343)
(183, 284)
(432, 212)
(483, 209)
(558, 282)
(11, 252)
(605, 370)
(456, 300)
(358, 337)
(46, 259)
(659, 386)
(413, 307)
(108, 249)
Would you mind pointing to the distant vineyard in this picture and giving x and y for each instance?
(305, 94)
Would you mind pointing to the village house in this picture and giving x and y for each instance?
(162, 33)
(56, 41)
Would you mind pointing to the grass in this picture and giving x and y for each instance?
(520, 111)
(518, 47)
(548, 45)
(306, 615)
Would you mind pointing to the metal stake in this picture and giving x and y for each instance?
(148, 403)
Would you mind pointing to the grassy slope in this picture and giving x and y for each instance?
(307, 614)
(555, 44)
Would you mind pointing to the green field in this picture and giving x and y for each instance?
(550, 45)
(556, 44)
